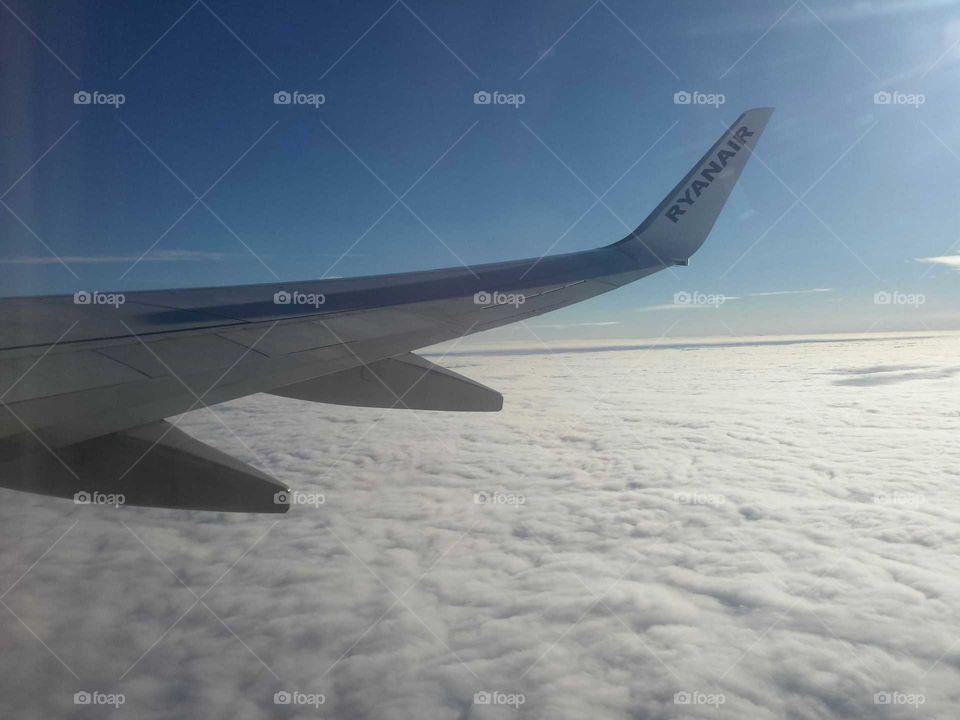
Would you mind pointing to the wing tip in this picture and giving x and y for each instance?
(680, 224)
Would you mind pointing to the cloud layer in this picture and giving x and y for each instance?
(764, 531)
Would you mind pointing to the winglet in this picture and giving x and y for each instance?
(681, 222)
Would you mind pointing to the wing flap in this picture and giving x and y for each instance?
(408, 382)
(155, 465)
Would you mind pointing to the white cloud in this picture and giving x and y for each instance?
(760, 521)
(948, 260)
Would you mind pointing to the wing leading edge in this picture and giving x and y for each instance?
(78, 372)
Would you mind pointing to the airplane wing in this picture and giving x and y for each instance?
(88, 379)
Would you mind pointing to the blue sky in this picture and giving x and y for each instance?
(290, 189)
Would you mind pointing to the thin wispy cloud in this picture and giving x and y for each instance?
(157, 257)
(161, 256)
(679, 306)
(801, 17)
(789, 292)
(564, 326)
(715, 301)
